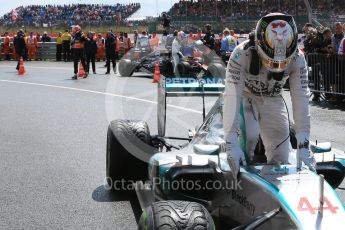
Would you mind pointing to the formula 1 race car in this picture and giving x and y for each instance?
(143, 59)
(139, 59)
(190, 187)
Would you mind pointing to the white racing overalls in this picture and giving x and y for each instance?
(264, 108)
(176, 48)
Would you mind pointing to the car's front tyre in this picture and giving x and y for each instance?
(127, 141)
(166, 215)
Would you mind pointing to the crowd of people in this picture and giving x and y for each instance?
(325, 48)
(258, 8)
(76, 46)
(93, 14)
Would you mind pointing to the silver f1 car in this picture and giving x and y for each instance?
(190, 187)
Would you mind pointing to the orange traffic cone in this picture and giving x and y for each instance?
(157, 74)
(21, 70)
(81, 71)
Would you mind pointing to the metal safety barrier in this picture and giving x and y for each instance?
(327, 73)
(45, 51)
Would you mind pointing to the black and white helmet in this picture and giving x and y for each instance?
(276, 41)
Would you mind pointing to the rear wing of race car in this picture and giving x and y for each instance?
(185, 87)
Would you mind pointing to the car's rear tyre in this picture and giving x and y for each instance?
(216, 70)
(124, 139)
(167, 215)
(126, 68)
(183, 69)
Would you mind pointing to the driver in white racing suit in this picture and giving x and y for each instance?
(256, 73)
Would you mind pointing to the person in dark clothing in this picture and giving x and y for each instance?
(59, 47)
(208, 39)
(20, 46)
(45, 37)
(90, 52)
(110, 51)
(166, 21)
(66, 45)
(78, 41)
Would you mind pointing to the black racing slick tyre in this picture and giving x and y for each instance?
(128, 151)
(216, 70)
(126, 68)
(183, 69)
(177, 215)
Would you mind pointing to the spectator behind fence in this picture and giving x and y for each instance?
(339, 64)
(341, 55)
(313, 38)
(338, 36)
(341, 49)
(313, 41)
(328, 60)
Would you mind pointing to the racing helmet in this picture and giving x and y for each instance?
(76, 29)
(276, 41)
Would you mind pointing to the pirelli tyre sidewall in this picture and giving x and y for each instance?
(126, 67)
(176, 215)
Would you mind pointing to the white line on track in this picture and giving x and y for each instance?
(38, 67)
(101, 93)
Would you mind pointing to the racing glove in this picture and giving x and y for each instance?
(235, 154)
(303, 152)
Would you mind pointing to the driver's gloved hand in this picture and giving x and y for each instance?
(303, 151)
(235, 154)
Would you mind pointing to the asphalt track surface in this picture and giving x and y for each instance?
(53, 140)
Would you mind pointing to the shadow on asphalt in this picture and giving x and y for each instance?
(101, 194)
(148, 76)
(328, 105)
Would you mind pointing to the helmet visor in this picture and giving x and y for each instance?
(276, 66)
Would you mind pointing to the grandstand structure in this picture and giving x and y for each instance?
(242, 15)
(62, 16)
